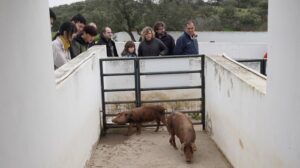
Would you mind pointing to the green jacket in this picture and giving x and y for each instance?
(78, 45)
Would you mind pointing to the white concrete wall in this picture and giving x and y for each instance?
(254, 129)
(282, 130)
(78, 105)
(235, 100)
(43, 124)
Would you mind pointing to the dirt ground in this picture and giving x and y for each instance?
(152, 150)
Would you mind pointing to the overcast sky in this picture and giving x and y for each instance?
(53, 3)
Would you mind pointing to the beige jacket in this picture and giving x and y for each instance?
(60, 55)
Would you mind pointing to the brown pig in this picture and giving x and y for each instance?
(180, 125)
(139, 115)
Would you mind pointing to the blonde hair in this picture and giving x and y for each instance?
(145, 31)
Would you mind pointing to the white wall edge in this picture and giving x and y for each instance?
(67, 69)
(244, 66)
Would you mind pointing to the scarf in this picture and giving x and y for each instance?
(66, 43)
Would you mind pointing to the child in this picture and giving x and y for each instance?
(129, 49)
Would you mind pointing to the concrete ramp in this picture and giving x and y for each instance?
(151, 150)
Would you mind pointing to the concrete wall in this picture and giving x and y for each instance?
(235, 100)
(78, 106)
(47, 119)
(283, 81)
(252, 128)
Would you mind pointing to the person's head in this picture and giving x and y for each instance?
(107, 33)
(159, 27)
(129, 47)
(89, 33)
(190, 28)
(93, 24)
(79, 22)
(67, 29)
(52, 17)
(147, 33)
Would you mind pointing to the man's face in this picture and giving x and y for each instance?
(160, 30)
(108, 33)
(148, 36)
(190, 29)
(79, 27)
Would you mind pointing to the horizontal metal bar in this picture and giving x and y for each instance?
(172, 88)
(173, 56)
(250, 60)
(173, 100)
(119, 90)
(168, 112)
(170, 72)
(118, 74)
(110, 115)
(117, 59)
(150, 57)
(119, 102)
(146, 125)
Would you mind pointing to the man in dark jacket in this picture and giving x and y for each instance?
(160, 33)
(81, 42)
(187, 43)
(106, 39)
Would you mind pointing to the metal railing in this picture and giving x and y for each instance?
(138, 89)
(262, 64)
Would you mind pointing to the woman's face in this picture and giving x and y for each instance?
(148, 36)
(68, 36)
(131, 49)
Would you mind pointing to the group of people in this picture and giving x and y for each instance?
(76, 36)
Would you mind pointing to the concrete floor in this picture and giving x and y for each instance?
(152, 150)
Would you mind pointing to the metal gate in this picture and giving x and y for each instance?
(139, 90)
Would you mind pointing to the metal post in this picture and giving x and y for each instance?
(263, 65)
(103, 97)
(203, 91)
(138, 82)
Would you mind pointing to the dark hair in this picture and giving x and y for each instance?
(52, 14)
(78, 18)
(103, 30)
(128, 45)
(159, 24)
(189, 22)
(91, 30)
(69, 27)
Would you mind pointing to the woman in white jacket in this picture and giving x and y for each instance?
(61, 44)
